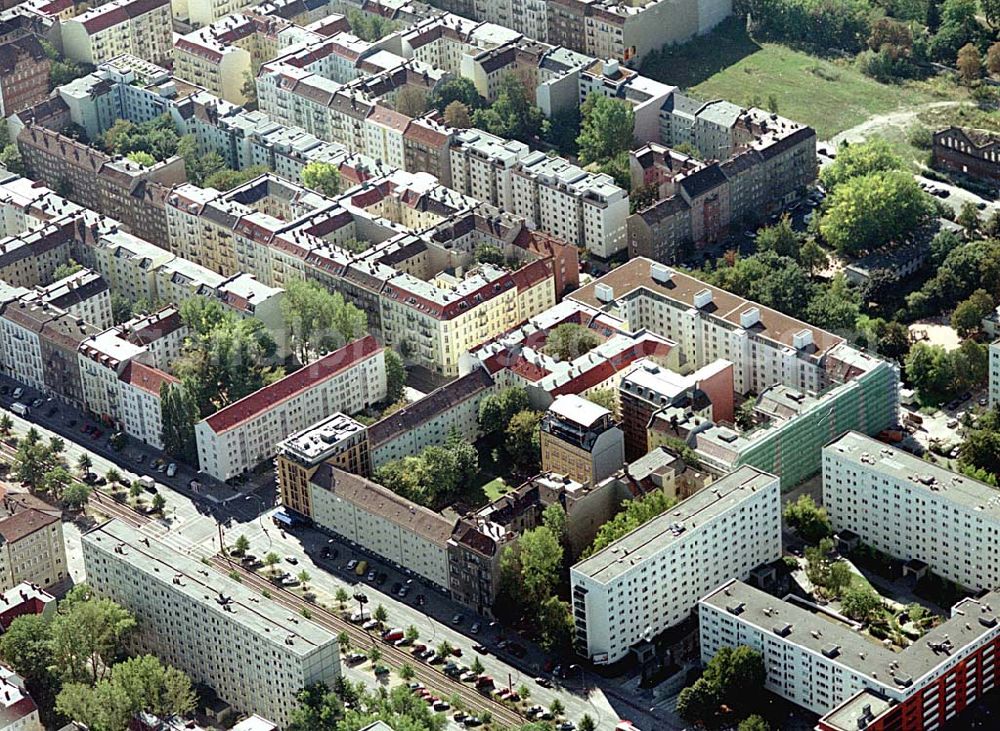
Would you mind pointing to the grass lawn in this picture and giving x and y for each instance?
(829, 95)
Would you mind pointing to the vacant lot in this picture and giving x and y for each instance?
(830, 95)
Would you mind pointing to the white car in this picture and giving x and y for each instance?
(171, 469)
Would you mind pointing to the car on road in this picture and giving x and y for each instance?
(352, 564)
(370, 625)
(382, 578)
(403, 591)
(360, 597)
(396, 587)
(292, 560)
(171, 469)
(481, 649)
(371, 576)
(361, 568)
(140, 458)
(543, 681)
(18, 393)
(37, 402)
(474, 629)
(355, 657)
(457, 619)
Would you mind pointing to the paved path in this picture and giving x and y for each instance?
(901, 118)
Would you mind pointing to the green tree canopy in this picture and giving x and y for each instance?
(569, 341)
(513, 115)
(608, 129)
(321, 176)
(869, 211)
(780, 238)
(319, 320)
(807, 519)
(860, 159)
(630, 516)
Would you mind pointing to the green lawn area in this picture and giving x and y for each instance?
(829, 95)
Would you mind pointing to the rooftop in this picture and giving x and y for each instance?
(216, 592)
(871, 455)
(971, 621)
(316, 442)
(577, 409)
(655, 535)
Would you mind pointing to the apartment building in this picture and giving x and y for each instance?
(401, 532)
(120, 188)
(652, 578)
(83, 294)
(454, 407)
(32, 547)
(218, 57)
(828, 667)
(24, 74)
(199, 13)
(18, 711)
(571, 204)
(994, 377)
(580, 439)
(31, 258)
(649, 389)
(338, 440)
(140, 407)
(213, 628)
(240, 436)
(23, 600)
(754, 162)
(141, 28)
(923, 514)
(38, 343)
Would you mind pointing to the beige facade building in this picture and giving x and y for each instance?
(580, 439)
(138, 27)
(32, 546)
(250, 652)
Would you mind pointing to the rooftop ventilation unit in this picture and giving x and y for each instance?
(750, 317)
(703, 298)
(604, 292)
(661, 272)
(802, 339)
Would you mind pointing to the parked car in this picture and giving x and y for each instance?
(354, 658)
(18, 393)
(391, 635)
(543, 681)
(370, 625)
(352, 564)
(171, 469)
(474, 629)
(371, 576)
(292, 560)
(457, 619)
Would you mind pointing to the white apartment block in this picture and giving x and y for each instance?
(652, 578)
(765, 346)
(828, 667)
(21, 344)
(83, 294)
(994, 394)
(585, 209)
(32, 548)
(205, 12)
(213, 628)
(403, 533)
(141, 28)
(482, 166)
(244, 434)
(140, 408)
(914, 510)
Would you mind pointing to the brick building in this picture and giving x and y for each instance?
(968, 151)
(24, 74)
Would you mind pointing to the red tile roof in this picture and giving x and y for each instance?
(142, 376)
(303, 379)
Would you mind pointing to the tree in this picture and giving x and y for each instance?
(993, 53)
(271, 560)
(968, 316)
(839, 577)
(554, 518)
(135, 489)
(555, 625)
(496, 410)
(344, 640)
(56, 446)
(141, 157)
(411, 101)
(241, 546)
(860, 603)
(84, 462)
(754, 723)
(608, 128)
(341, 596)
(10, 158)
(33, 460)
(159, 503)
(55, 481)
(587, 723)
(858, 160)
(968, 218)
(780, 238)
(381, 614)
(807, 519)
(412, 634)
(370, 27)
(569, 341)
(66, 270)
(869, 211)
(321, 176)
(630, 516)
(249, 90)
(87, 634)
(26, 646)
(305, 577)
(745, 416)
(395, 376)
(477, 666)
(457, 115)
(444, 649)
(556, 707)
(406, 672)
(460, 90)
(835, 306)
(226, 179)
(512, 115)
(318, 709)
(540, 555)
(606, 397)
(319, 320)
(521, 440)
(180, 413)
(969, 63)
(76, 494)
(6, 424)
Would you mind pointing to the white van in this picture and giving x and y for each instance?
(20, 409)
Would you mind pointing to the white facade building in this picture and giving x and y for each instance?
(141, 28)
(652, 578)
(914, 510)
(994, 394)
(211, 627)
(244, 434)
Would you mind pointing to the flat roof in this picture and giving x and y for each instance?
(207, 586)
(317, 440)
(655, 534)
(636, 274)
(872, 455)
(577, 409)
(970, 621)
